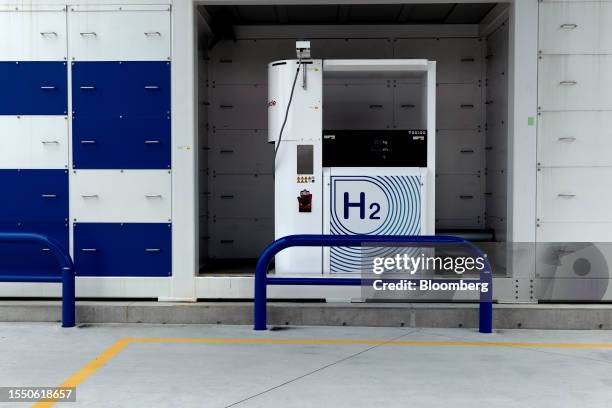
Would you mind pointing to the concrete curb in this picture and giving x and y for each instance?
(582, 317)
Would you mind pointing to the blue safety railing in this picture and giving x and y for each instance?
(262, 280)
(64, 261)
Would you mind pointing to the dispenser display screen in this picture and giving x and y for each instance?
(375, 148)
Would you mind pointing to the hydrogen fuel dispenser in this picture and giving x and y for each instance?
(349, 180)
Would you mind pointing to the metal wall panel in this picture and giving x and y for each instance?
(40, 260)
(409, 106)
(112, 89)
(235, 237)
(459, 197)
(240, 152)
(120, 196)
(597, 231)
(497, 161)
(242, 196)
(576, 28)
(239, 107)
(581, 138)
(458, 60)
(34, 195)
(574, 260)
(245, 62)
(33, 142)
(118, 249)
(574, 194)
(33, 88)
(459, 106)
(496, 143)
(459, 152)
(497, 53)
(119, 35)
(358, 106)
(33, 35)
(350, 48)
(497, 186)
(575, 82)
(496, 212)
(121, 142)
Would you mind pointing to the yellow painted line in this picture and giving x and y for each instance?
(368, 342)
(88, 369)
(116, 348)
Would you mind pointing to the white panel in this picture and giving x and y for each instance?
(459, 152)
(574, 232)
(410, 106)
(574, 260)
(459, 106)
(458, 60)
(246, 61)
(240, 237)
(576, 28)
(574, 194)
(119, 35)
(305, 123)
(358, 106)
(575, 138)
(459, 197)
(242, 196)
(240, 152)
(239, 107)
(573, 290)
(120, 195)
(33, 142)
(575, 82)
(33, 36)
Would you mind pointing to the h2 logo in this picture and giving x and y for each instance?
(359, 205)
(374, 207)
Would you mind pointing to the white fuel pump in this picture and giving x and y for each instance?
(346, 181)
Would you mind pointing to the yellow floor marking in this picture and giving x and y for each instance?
(366, 342)
(88, 369)
(116, 348)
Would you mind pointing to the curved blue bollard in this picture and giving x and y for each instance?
(262, 280)
(63, 259)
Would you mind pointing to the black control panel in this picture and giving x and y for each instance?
(375, 148)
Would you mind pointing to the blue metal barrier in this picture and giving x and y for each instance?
(64, 261)
(262, 280)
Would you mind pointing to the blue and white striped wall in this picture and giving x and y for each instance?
(33, 137)
(120, 171)
(85, 137)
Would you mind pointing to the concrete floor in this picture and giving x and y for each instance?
(308, 374)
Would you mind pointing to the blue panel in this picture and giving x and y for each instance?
(112, 89)
(31, 259)
(33, 88)
(112, 249)
(125, 143)
(34, 195)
